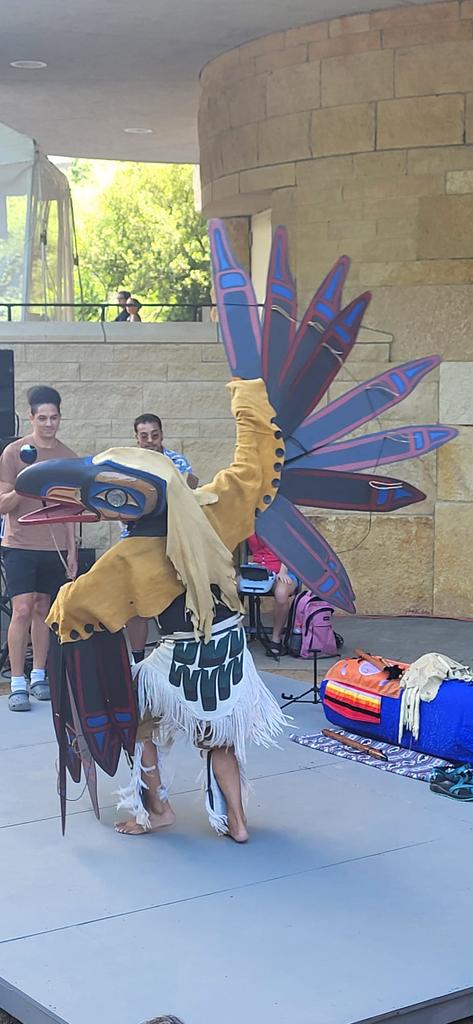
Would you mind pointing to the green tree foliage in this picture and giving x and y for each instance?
(80, 170)
(141, 232)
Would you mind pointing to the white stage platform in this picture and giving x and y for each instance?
(352, 901)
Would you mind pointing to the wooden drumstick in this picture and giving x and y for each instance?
(363, 748)
(378, 662)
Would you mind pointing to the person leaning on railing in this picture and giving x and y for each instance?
(122, 299)
(133, 306)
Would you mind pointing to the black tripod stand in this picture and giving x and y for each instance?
(314, 697)
(256, 629)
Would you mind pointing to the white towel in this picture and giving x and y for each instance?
(422, 681)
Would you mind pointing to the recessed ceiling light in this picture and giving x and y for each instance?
(138, 131)
(28, 65)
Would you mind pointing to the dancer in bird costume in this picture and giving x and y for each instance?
(176, 564)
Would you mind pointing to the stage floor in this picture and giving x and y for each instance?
(352, 900)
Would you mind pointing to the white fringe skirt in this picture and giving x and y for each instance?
(209, 692)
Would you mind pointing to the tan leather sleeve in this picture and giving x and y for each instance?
(251, 481)
(134, 577)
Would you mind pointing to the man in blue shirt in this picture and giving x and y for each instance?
(149, 434)
(148, 430)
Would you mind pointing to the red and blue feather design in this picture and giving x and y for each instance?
(298, 363)
(95, 710)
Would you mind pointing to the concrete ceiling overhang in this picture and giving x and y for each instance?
(113, 64)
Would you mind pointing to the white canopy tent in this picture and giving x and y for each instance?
(36, 246)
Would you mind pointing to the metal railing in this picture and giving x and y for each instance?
(193, 311)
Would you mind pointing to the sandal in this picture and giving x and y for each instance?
(450, 773)
(41, 691)
(460, 788)
(19, 700)
(274, 650)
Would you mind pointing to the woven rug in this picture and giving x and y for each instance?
(400, 761)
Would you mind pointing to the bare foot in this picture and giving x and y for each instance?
(165, 818)
(237, 829)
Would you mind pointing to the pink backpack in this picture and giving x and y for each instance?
(311, 628)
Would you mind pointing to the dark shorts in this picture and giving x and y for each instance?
(33, 572)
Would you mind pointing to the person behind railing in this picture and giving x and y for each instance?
(132, 307)
(122, 299)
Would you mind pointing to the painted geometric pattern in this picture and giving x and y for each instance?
(207, 672)
(363, 675)
(409, 763)
(299, 359)
(354, 704)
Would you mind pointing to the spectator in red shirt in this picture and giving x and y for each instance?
(283, 590)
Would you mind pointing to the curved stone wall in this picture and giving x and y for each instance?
(358, 134)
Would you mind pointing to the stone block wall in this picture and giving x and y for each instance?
(357, 132)
(398, 563)
(107, 377)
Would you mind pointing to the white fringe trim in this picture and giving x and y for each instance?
(254, 717)
(218, 816)
(130, 797)
(218, 813)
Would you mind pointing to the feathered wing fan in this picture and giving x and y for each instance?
(94, 708)
(299, 544)
(298, 364)
(358, 406)
(378, 449)
(304, 390)
(237, 307)
(279, 322)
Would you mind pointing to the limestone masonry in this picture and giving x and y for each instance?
(357, 134)
(414, 561)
